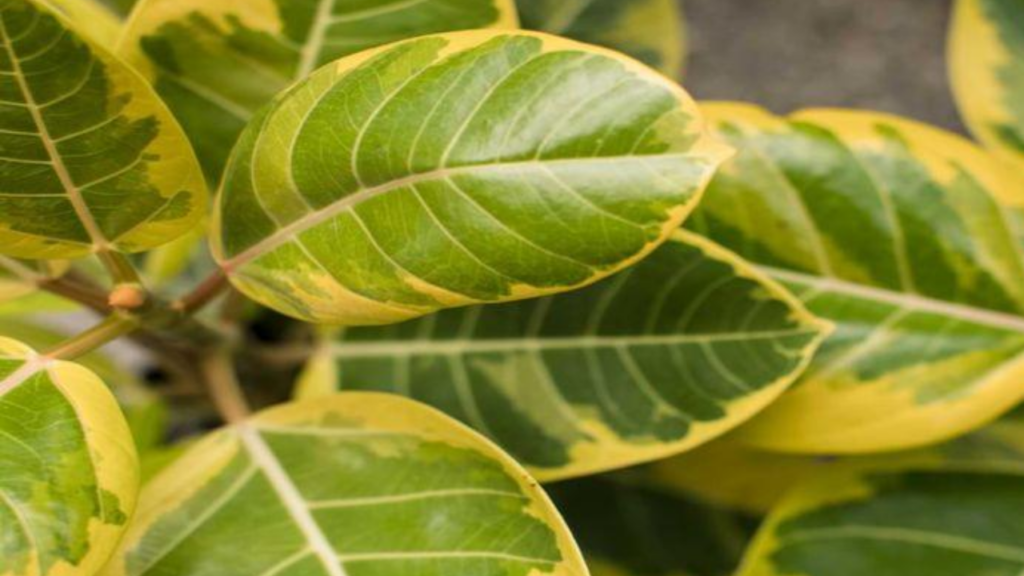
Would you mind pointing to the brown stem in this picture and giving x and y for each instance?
(79, 288)
(203, 294)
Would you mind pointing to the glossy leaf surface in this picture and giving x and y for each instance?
(70, 473)
(910, 239)
(215, 62)
(963, 521)
(350, 485)
(650, 362)
(89, 157)
(986, 56)
(457, 169)
(628, 525)
(649, 30)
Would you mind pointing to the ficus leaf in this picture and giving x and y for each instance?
(90, 158)
(910, 240)
(650, 362)
(986, 57)
(91, 17)
(651, 31)
(70, 473)
(456, 169)
(352, 484)
(629, 525)
(962, 520)
(215, 62)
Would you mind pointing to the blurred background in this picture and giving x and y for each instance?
(886, 55)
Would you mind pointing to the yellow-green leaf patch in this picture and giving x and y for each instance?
(350, 485)
(651, 31)
(986, 55)
(650, 362)
(457, 169)
(90, 159)
(910, 240)
(70, 473)
(215, 62)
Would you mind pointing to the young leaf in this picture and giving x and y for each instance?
(651, 362)
(961, 521)
(651, 31)
(456, 169)
(70, 473)
(215, 62)
(89, 157)
(628, 525)
(352, 484)
(910, 239)
(986, 57)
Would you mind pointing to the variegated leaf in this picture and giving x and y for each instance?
(629, 525)
(457, 169)
(90, 159)
(70, 473)
(987, 70)
(91, 17)
(651, 362)
(349, 485)
(960, 520)
(650, 30)
(215, 62)
(907, 237)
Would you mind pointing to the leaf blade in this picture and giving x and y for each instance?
(830, 203)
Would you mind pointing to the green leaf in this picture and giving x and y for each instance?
(457, 169)
(89, 157)
(19, 277)
(651, 31)
(70, 473)
(986, 53)
(353, 484)
(651, 362)
(215, 62)
(91, 17)
(629, 525)
(910, 240)
(929, 521)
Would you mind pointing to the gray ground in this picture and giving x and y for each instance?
(886, 55)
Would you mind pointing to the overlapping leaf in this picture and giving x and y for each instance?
(649, 30)
(628, 525)
(456, 169)
(354, 484)
(963, 520)
(910, 240)
(91, 17)
(653, 361)
(216, 62)
(70, 472)
(987, 70)
(89, 157)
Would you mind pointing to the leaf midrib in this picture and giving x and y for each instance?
(300, 225)
(913, 302)
(458, 346)
(74, 194)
